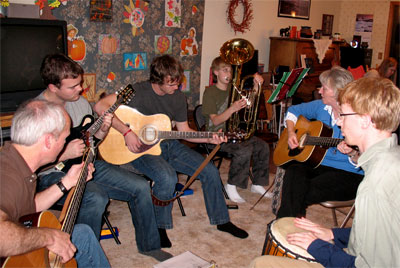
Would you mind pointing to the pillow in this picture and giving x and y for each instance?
(357, 72)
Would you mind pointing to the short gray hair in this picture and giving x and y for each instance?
(336, 78)
(35, 118)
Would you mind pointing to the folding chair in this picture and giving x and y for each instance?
(335, 206)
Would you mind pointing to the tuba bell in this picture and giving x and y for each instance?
(237, 52)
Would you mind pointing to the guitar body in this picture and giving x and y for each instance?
(77, 133)
(113, 149)
(308, 154)
(40, 257)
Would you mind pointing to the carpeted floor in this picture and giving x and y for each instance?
(194, 232)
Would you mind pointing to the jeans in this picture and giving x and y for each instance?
(177, 157)
(113, 182)
(89, 252)
(252, 150)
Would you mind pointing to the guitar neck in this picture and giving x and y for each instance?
(322, 141)
(97, 124)
(76, 199)
(188, 134)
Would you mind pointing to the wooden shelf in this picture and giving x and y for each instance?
(5, 119)
(286, 51)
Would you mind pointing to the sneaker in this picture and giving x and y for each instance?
(260, 190)
(233, 194)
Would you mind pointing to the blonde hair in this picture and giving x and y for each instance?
(377, 97)
(336, 78)
(216, 64)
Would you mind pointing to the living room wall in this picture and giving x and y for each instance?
(120, 51)
(266, 23)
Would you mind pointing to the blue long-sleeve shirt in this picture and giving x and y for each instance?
(333, 255)
(319, 111)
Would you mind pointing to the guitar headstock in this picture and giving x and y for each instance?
(125, 95)
(235, 137)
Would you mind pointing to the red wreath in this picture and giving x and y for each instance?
(247, 15)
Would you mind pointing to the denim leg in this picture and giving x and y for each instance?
(89, 252)
(93, 205)
(164, 177)
(94, 200)
(123, 185)
(185, 160)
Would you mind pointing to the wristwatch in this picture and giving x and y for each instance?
(62, 187)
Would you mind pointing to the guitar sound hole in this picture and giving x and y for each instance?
(149, 134)
(294, 152)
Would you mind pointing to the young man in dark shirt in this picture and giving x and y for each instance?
(160, 95)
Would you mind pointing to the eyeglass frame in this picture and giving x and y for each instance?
(342, 115)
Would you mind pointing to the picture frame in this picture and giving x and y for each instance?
(296, 9)
(327, 24)
(100, 10)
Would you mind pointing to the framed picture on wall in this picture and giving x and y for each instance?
(297, 9)
(327, 24)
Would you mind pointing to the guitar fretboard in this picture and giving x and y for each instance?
(322, 141)
(76, 199)
(187, 134)
(96, 125)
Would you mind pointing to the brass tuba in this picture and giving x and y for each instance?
(237, 52)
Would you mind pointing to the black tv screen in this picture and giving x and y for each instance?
(23, 45)
(250, 68)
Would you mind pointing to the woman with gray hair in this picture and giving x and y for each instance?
(337, 176)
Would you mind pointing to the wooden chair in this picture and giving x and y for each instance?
(336, 206)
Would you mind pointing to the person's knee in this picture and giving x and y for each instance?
(96, 200)
(82, 230)
(210, 172)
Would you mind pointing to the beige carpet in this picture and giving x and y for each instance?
(194, 232)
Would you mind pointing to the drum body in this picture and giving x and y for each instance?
(276, 244)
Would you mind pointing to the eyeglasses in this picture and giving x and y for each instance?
(342, 115)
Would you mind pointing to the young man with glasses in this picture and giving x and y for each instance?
(161, 95)
(370, 113)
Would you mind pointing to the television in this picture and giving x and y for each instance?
(23, 45)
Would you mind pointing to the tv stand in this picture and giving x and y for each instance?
(5, 119)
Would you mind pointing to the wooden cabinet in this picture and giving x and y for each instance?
(286, 51)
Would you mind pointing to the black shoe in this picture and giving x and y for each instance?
(165, 243)
(232, 229)
(158, 254)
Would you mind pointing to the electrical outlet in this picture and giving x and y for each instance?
(380, 54)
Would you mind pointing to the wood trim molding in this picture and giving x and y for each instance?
(390, 28)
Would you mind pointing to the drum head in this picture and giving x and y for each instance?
(280, 228)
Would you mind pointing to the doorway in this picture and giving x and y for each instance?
(392, 48)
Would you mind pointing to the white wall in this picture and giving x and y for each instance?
(380, 11)
(265, 24)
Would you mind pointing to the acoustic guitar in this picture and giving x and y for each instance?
(314, 139)
(89, 126)
(151, 130)
(87, 129)
(42, 257)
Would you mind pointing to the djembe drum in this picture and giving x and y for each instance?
(276, 244)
